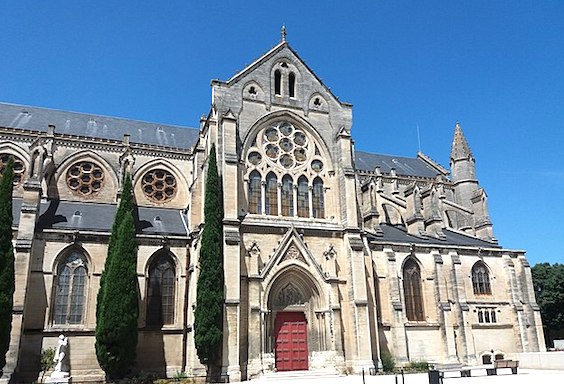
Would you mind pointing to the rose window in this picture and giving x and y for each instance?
(284, 145)
(18, 167)
(85, 178)
(159, 185)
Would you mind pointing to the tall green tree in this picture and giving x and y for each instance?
(7, 278)
(548, 281)
(125, 205)
(117, 308)
(208, 316)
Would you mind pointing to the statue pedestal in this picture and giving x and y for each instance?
(59, 378)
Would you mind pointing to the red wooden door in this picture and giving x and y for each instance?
(291, 341)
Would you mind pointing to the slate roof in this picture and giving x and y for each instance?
(172, 136)
(55, 214)
(404, 166)
(16, 209)
(398, 234)
(91, 125)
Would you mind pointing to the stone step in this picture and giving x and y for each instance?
(300, 375)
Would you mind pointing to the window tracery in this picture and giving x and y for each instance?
(412, 291)
(285, 145)
(18, 167)
(70, 290)
(159, 185)
(481, 279)
(286, 173)
(85, 178)
(160, 295)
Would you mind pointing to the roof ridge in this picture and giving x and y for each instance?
(95, 115)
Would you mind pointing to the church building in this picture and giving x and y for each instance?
(332, 257)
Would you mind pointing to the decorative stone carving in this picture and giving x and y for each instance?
(293, 254)
(289, 295)
(330, 261)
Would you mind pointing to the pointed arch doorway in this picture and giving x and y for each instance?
(291, 349)
(293, 302)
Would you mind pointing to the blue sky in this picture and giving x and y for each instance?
(496, 66)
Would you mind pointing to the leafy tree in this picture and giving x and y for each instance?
(118, 307)
(7, 278)
(208, 316)
(548, 281)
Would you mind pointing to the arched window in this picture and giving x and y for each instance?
(412, 291)
(481, 279)
(70, 290)
(292, 84)
(287, 196)
(303, 197)
(160, 295)
(254, 192)
(317, 199)
(271, 203)
(277, 82)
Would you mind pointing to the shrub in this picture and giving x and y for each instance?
(47, 360)
(417, 366)
(388, 362)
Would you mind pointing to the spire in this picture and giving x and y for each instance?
(283, 33)
(460, 148)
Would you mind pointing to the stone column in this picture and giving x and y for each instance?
(22, 260)
(397, 327)
(256, 329)
(361, 357)
(466, 351)
(444, 309)
(231, 250)
(516, 302)
(537, 335)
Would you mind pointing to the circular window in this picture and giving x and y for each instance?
(159, 185)
(255, 158)
(317, 165)
(85, 178)
(19, 167)
(285, 145)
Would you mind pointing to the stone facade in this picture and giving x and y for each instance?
(375, 253)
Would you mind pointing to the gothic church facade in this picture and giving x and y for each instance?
(332, 256)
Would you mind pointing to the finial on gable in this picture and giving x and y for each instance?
(283, 33)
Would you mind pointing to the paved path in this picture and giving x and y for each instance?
(525, 376)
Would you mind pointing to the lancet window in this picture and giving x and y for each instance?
(481, 279)
(412, 291)
(160, 295)
(70, 290)
(285, 173)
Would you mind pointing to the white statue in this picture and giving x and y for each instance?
(61, 358)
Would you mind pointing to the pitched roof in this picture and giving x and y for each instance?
(404, 166)
(91, 125)
(56, 214)
(398, 234)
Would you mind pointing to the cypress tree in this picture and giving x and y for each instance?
(118, 307)
(125, 205)
(7, 278)
(208, 316)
